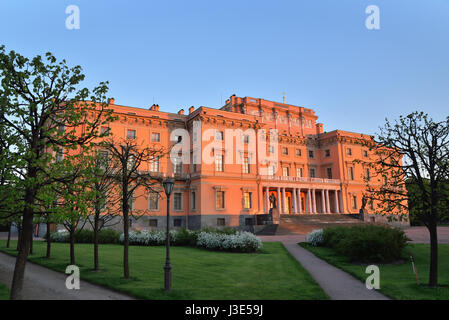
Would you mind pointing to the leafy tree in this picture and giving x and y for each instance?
(45, 111)
(414, 148)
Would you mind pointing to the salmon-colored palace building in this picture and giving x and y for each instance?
(314, 171)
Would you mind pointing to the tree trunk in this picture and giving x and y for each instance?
(433, 272)
(96, 225)
(48, 241)
(125, 245)
(72, 246)
(9, 236)
(31, 240)
(19, 236)
(19, 269)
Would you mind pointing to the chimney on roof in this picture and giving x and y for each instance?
(319, 128)
(191, 109)
(181, 111)
(111, 101)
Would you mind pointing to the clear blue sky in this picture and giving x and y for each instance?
(183, 53)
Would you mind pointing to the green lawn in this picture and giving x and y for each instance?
(4, 292)
(398, 281)
(196, 273)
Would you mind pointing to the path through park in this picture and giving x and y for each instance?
(44, 284)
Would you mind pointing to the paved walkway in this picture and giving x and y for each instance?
(337, 284)
(45, 284)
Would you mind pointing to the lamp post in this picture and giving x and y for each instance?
(168, 188)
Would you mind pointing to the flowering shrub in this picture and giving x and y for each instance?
(149, 238)
(315, 238)
(241, 241)
(60, 236)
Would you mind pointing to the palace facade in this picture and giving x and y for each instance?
(307, 170)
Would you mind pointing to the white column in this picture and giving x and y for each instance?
(284, 204)
(309, 202)
(328, 207)
(298, 193)
(337, 208)
(267, 200)
(323, 201)
(279, 200)
(294, 201)
(342, 208)
(314, 201)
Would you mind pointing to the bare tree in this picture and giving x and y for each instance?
(129, 158)
(413, 149)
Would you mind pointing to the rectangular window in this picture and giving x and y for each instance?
(60, 154)
(285, 151)
(271, 170)
(153, 201)
(298, 152)
(327, 153)
(131, 134)
(153, 223)
(365, 153)
(177, 222)
(329, 173)
(131, 202)
(351, 173)
(221, 222)
(311, 154)
(245, 165)
(193, 200)
(154, 165)
(285, 171)
(299, 172)
(131, 162)
(312, 173)
(220, 200)
(219, 162)
(105, 131)
(61, 129)
(247, 200)
(271, 149)
(367, 175)
(219, 135)
(245, 138)
(354, 202)
(156, 137)
(349, 151)
(371, 205)
(177, 201)
(249, 221)
(177, 165)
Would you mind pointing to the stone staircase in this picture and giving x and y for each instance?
(303, 224)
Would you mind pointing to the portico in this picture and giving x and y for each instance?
(322, 196)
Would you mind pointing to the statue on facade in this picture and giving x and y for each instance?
(362, 209)
(273, 201)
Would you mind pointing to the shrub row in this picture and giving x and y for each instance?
(226, 239)
(87, 236)
(364, 243)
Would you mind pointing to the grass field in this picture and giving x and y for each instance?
(398, 280)
(196, 273)
(4, 292)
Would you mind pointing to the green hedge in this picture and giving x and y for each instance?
(366, 243)
(87, 236)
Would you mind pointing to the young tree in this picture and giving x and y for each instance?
(414, 148)
(105, 204)
(129, 158)
(45, 110)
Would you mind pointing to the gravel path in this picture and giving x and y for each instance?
(45, 284)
